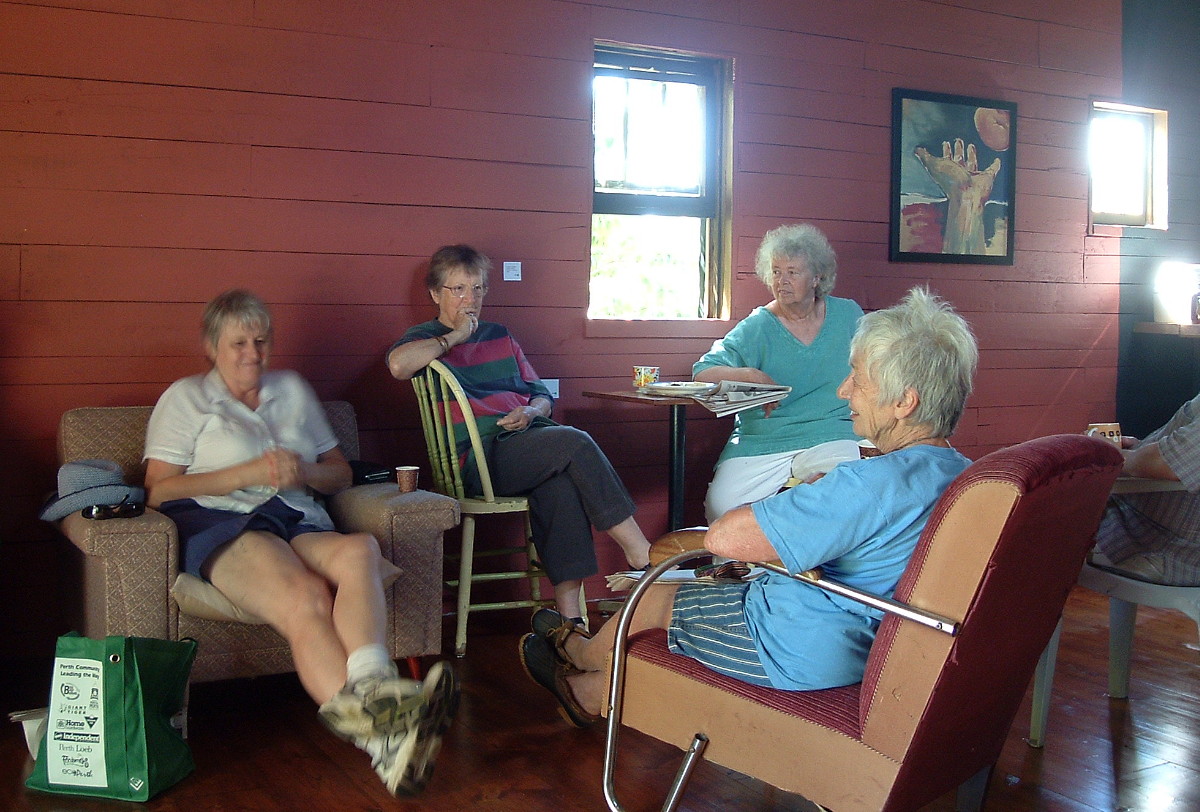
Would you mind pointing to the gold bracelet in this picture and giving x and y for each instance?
(445, 344)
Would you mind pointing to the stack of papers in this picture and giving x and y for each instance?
(726, 397)
(624, 581)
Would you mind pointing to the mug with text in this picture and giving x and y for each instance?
(1105, 431)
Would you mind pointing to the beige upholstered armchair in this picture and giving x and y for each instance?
(130, 566)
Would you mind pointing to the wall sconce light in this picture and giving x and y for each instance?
(1175, 283)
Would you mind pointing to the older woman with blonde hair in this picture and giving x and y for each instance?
(911, 370)
(801, 339)
(234, 456)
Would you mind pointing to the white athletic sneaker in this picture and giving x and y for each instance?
(372, 707)
(404, 761)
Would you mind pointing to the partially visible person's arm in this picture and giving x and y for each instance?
(166, 481)
(732, 357)
(520, 418)
(329, 474)
(410, 358)
(746, 374)
(1146, 460)
(279, 468)
(737, 535)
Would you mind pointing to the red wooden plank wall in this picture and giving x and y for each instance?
(154, 153)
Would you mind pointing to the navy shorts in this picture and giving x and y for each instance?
(202, 530)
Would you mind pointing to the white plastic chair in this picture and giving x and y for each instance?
(1124, 594)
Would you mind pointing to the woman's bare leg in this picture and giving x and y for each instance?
(350, 563)
(589, 656)
(262, 574)
(566, 598)
(632, 541)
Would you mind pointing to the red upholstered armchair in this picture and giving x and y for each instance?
(998, 556)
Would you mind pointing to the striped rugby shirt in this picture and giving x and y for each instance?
(493, 371)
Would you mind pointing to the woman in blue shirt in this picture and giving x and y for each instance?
(911, 368)
(800, 339)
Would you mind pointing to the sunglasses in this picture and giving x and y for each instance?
(122, 510)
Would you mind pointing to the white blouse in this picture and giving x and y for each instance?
(198, 424)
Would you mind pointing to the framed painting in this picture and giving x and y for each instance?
(953, 176)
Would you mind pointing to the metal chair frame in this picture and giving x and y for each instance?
(616, 687)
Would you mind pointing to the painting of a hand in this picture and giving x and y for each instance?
(967, 188)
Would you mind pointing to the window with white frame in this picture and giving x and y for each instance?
(1127, 165)
(658, 243)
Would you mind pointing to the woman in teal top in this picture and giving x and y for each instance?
(800, 339)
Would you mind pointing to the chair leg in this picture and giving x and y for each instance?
(972, 792)
(414, 668)
(1121, 618)
(616, 695)
(531, 557)
(464, 585)
(1043, 682)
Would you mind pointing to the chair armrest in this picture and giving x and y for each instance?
(409, 528)
(129, 566)
(122, 537)
(677, 541)
(381, 510)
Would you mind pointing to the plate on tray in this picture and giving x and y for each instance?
(681, 389)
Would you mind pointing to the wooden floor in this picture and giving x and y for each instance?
(258, 745)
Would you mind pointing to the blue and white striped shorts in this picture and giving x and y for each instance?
(708, 624)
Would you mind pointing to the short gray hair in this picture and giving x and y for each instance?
(801, 241)
(449, 257)
(234, 307)
(922, 344)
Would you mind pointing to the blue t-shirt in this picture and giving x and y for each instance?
(860, 524)
(812, 413)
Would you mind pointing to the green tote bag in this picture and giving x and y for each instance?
(108, 730)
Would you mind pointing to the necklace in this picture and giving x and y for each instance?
(813, 312)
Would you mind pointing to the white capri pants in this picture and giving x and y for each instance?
(741, 480)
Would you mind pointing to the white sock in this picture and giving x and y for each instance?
(371, 660)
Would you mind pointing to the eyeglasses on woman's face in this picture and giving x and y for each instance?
(461, 291)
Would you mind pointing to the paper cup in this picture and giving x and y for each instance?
(1105, 431)
(644, 376)
(406, 477)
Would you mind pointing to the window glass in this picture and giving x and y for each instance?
(656, 200)
(649, 136)
(1127, 165)
(646, 267)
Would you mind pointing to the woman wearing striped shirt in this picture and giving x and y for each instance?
(571, 485)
